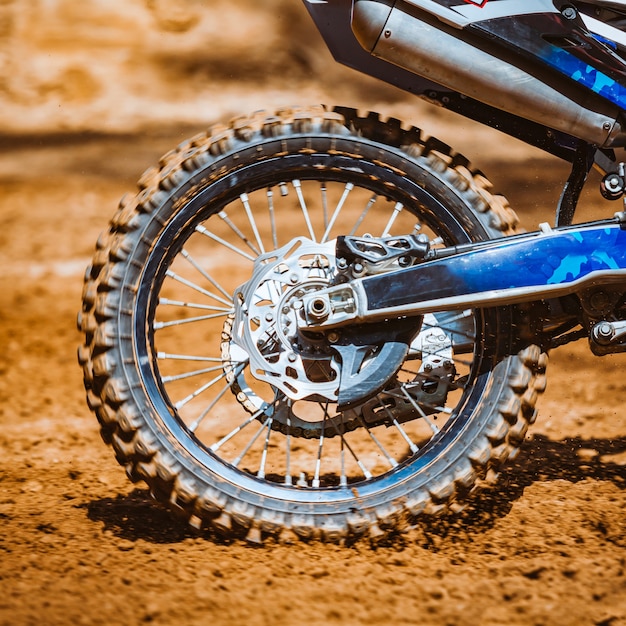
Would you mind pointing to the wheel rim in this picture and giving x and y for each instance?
(213, 385)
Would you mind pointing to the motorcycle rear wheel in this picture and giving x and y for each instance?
(207, 393)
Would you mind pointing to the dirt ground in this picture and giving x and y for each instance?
(81, 545)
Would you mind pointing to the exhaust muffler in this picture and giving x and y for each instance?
(417, 41)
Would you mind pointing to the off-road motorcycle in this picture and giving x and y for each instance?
(317, 323)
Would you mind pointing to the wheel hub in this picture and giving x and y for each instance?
(265, 326)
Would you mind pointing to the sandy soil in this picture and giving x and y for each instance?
(81, 545)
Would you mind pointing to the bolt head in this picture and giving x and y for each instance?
(569, 13)
(604, 332)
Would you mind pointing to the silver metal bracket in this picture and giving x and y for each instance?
(606, 337)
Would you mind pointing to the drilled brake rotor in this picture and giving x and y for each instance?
(301, 370)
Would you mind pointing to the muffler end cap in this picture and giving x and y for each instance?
(368, 21)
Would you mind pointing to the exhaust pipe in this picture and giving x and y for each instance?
(412, 39)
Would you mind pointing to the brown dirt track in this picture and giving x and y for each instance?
(81, 545)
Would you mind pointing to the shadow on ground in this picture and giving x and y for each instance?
(136, 516)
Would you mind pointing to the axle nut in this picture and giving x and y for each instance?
(603, 332)
(318, 309)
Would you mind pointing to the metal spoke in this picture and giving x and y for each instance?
(396, 211)
(190, 320)
(380, 446)
(224, 216)
(206, 275)
(344, 442)
(188, 357)
(363, 215)
(401, 430)
(207, 233)
(298, 187)
(180, 404)
(288, 480)
(419, 409)
(175, 377)
(343, 480)
(216, 446)
(209, 408)
(270, 206)
(324, 203)
(261, 472)
(318, 462)
(252, 441)
(191, 305)
(194, 286)
(246, 205)
(348, 188)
